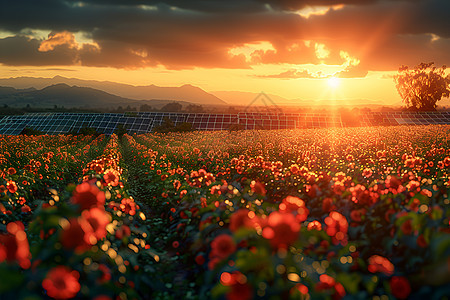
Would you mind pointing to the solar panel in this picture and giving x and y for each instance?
(143, 122)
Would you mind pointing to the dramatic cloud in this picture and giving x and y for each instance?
(292, 74)
(179, 34)
(57, 39)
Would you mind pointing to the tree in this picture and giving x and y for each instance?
(169, 126)
(146, 107)
(421, 87)
(193, 108)
(172, 107)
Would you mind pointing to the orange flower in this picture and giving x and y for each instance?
(295, 169)
(222, 246)
(62, 283)
(111, 177)
(128, 206)
(11, 186)
(380, 264)
(12, 171)
(87, 196)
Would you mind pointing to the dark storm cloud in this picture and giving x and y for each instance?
(22, 51)
(199, 33)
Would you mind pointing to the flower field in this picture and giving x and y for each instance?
(348, 213)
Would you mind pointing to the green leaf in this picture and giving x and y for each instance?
(350, 281)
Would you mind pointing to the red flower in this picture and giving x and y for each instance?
(200, 259)
(241, 219)
(74, 236)
(400, 287)
(327, 283)
(315, 225)
(258, 188)
(282, 229)
(356, 214)
(294, 205)
(421, 241)
(413, 186)
(128, 206)
(12, 171)
(97, 219)
(337, 227)
(14, 245)
(380, 264)
(61, 283)
(105, 274)
(367, 172)
(328, 205)
(392, 182)
(406, 227)
(87, 196)
(239, 289)
(123, 232)
(25, 209)
(222, 246)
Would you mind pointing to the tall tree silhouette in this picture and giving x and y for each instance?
(421, 87)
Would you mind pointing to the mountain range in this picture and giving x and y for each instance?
(107, 91)
(73, 92)
(63, 95)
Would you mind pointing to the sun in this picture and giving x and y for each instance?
(333, 82)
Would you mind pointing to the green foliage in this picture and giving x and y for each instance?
(169, 126)
(120, 130)
(88, 131)
(172, 107)
(31, 131)
(421, 87)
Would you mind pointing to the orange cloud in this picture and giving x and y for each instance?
(57, 39)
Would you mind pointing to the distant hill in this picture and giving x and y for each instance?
(188, 93)
(71, 97)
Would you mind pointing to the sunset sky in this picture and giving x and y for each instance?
(289, 48)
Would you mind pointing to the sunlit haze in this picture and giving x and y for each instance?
(295, 50)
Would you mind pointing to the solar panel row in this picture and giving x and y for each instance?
(405, 118)
(143, 122)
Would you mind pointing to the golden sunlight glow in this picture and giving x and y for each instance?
(251, 49)
(321, 51)
(318, 10)
(333, 82)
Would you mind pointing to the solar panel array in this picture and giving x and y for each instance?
(405, 118)
(143, 122)
(252, 120)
